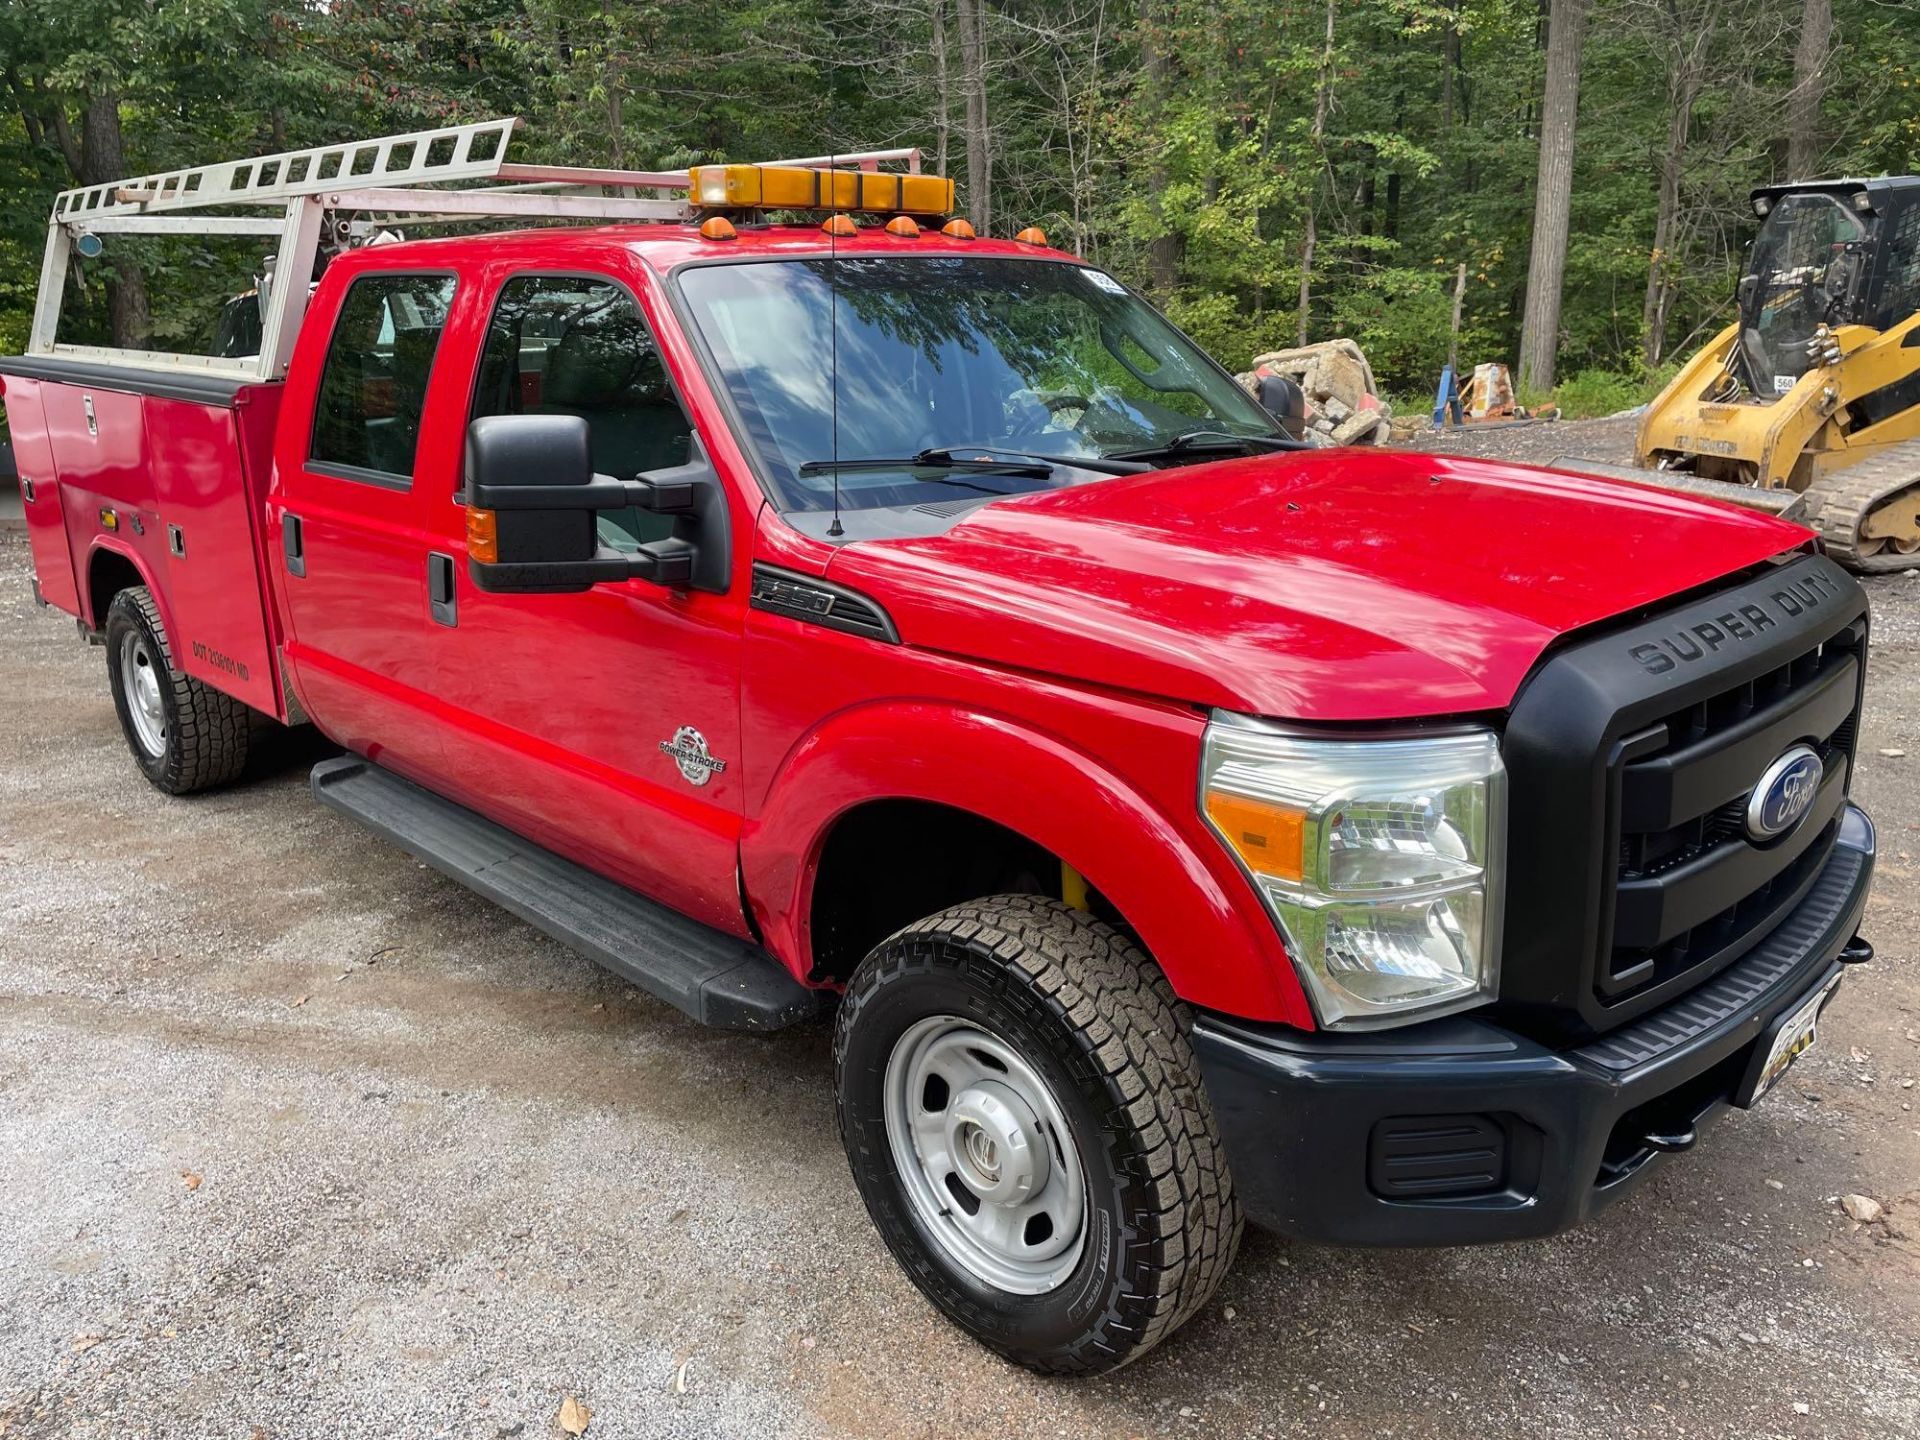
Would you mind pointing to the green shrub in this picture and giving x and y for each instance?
(1594, 393)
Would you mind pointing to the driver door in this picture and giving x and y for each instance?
(570, 704)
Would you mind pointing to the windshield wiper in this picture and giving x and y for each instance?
(1098, 464)
(1198, 441)
(933, 459)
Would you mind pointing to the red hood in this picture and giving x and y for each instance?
(1338, 585)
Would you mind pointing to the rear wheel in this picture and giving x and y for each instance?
(184, 734)
(1026, 1124)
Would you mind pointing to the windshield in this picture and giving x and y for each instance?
(1039, 357)
(1801, 276)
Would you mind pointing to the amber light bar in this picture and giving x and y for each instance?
(782, 187)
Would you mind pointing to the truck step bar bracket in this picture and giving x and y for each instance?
(713, 977)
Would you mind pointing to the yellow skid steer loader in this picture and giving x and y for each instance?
(1809, 404)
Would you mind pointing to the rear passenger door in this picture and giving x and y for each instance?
(570, 703)
(353, 540)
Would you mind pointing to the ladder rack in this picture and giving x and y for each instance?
(389, 179)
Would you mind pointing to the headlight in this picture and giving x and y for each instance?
(1380, 859)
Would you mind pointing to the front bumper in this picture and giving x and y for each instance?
(1458, 1131)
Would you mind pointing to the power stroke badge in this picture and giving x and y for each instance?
(688, 750)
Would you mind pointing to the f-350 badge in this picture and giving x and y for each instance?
(688, 750)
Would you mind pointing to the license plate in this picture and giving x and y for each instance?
(1793, 1036)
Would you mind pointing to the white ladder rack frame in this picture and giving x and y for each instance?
(378, 178)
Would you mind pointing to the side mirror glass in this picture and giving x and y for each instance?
(533, 502)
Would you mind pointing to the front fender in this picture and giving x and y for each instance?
(1192, 909)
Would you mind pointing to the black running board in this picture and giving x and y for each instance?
(716, 978)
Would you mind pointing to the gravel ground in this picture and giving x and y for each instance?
(1538, 442)
(299, 1139)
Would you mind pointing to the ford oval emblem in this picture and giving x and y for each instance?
(1785, 793)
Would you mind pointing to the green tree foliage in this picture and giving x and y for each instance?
(1173, 143)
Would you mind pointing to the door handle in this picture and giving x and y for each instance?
(440, 596)
(294, 544)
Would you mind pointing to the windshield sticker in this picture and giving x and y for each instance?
(1782, 384)
(1103, 281)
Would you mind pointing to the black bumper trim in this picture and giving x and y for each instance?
(1298, 1110)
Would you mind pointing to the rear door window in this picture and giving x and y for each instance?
(574, 345)
(373, 387)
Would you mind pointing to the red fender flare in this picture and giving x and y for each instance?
(1194, 911)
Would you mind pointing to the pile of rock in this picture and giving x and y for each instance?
(1343, 405)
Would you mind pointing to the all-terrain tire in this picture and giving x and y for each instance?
(1083, 1006)
(202, 733)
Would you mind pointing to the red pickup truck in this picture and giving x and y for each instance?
(879, 620)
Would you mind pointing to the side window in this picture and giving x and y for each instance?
(566, 345)
(374, 383)
(1901, 291)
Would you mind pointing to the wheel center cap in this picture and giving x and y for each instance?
(997, 1144)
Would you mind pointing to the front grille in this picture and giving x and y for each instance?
(1691, 890)
(1631, 756)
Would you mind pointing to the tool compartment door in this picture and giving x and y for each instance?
(40, 493)
(207, 509)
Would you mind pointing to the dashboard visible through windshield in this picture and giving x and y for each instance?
(943, 356)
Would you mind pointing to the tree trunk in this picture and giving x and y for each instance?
(1310, 240)
(103, 158)
(1809, 89)
(1553, 196)
(942, 96)
(973, 81)
(1165, 250)
(1682, 90)
(616, 140)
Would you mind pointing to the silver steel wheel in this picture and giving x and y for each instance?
(140, 679)
(986, 1158)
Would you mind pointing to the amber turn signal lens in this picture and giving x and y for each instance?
(840, 225)
(483, 538)
(957, 230)
(717, 228)
(903, 226)
(1032, 235)
(1267, 836)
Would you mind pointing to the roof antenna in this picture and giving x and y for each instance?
(836, 529)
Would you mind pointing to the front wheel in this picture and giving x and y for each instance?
(1027, 1126)
(184, 734)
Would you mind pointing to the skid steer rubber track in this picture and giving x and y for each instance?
(1844, 500)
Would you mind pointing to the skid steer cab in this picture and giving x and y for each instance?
(1809, 402)
(806, 606)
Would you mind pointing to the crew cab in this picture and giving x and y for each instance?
(880, 621)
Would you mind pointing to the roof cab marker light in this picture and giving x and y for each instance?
(1032, 235)
(957, 230)
(1863, 202)
(793, 187)
(839, 226)
(717, 227)
(1762, 205)
(903, 226)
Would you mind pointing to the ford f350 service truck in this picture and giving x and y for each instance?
(871, 617)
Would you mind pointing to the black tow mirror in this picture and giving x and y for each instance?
(1284, 401)
(532, 505)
